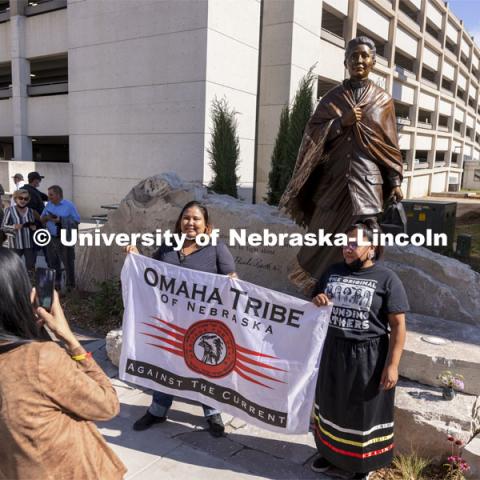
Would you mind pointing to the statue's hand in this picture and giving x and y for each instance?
(396, 194)
(351, 116)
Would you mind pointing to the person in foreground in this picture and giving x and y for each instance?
(192, 221)
(49, 395)
(355, 392)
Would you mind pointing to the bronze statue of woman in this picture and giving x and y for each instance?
(349, 161)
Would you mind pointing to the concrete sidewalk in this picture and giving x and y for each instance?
(181, 448)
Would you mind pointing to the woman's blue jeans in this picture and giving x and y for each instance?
(161, 403)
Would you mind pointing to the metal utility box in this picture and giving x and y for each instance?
(439, 216)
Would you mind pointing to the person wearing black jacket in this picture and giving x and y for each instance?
(36, 196)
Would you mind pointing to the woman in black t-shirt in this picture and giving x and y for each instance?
(359, 367)
(192, 221)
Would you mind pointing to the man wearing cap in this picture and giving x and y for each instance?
(36, 197)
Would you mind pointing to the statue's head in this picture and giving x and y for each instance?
(360, 57)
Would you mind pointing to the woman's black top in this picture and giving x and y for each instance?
(362, 300)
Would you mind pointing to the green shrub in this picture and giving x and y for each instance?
(107, 301)
(224, 149)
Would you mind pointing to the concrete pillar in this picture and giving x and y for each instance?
(20, 80)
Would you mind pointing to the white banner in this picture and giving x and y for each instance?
(243, 349)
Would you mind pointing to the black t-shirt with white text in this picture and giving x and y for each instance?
(362, 300)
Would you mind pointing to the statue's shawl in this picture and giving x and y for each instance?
(375, 134)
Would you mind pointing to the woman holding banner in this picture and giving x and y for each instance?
(192, 221)
(359, 367)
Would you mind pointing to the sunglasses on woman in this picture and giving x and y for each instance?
(23, 199)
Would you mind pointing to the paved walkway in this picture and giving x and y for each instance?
(182, 449)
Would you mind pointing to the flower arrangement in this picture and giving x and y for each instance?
(456, 466)
(451, 381)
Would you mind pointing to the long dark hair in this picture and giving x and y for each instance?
(201, 207)
(368, 226)
(17, 317)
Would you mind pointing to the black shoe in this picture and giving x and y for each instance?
(215, 422)
(147, 421)
(320, 464)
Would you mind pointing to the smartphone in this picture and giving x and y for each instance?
(45, 285)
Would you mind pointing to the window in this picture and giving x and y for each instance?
(428, 74)
(457, 126)
(425, 118)
(451, 46)
(443, 122)
(468, 132)
(48, 75)
(477, 138)
(471, 102)
(4, 6)
(421, 158)
(404, 154)
(464, 59)
(447, 84)
(50, 149)
(35, 7)
(409, 10)
(455, 157)
(404, 62)
(402, 112)
(461, 93)
(6, 148)
(332, 23)
(433, 30)
(439, 159)
(5, 75)
(5, 80)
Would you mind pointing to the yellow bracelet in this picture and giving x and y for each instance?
(82, 356)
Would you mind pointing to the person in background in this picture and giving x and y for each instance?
(49, 396)
(36, 196)
(19, 183)
(355, 393)
(192, 221)
(60, 214)
(18, 180)
(19, 221)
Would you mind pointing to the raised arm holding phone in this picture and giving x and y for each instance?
(50, 395)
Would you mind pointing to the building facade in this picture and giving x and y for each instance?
(97, 95)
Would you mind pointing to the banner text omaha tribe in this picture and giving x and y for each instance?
(253, 307)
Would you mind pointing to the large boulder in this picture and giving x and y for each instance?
(155, 203)
(436, 285)
(423, 420)
(434, 345)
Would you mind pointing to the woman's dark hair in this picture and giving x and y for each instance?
(17, 317)
(368, 227)
(201, 207)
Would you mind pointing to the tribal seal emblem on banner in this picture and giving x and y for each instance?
(208, 347)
